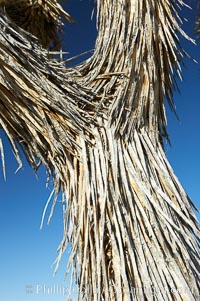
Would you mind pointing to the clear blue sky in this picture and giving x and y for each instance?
(26, 253)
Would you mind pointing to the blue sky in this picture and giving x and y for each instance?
(26, 252)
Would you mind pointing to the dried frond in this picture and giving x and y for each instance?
(98, 129)
(197, 23)
(124, 67)
(41, 106)
(42, 18)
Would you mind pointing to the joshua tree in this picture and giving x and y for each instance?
(99, 128)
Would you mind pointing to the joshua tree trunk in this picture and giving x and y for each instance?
(98, 128)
